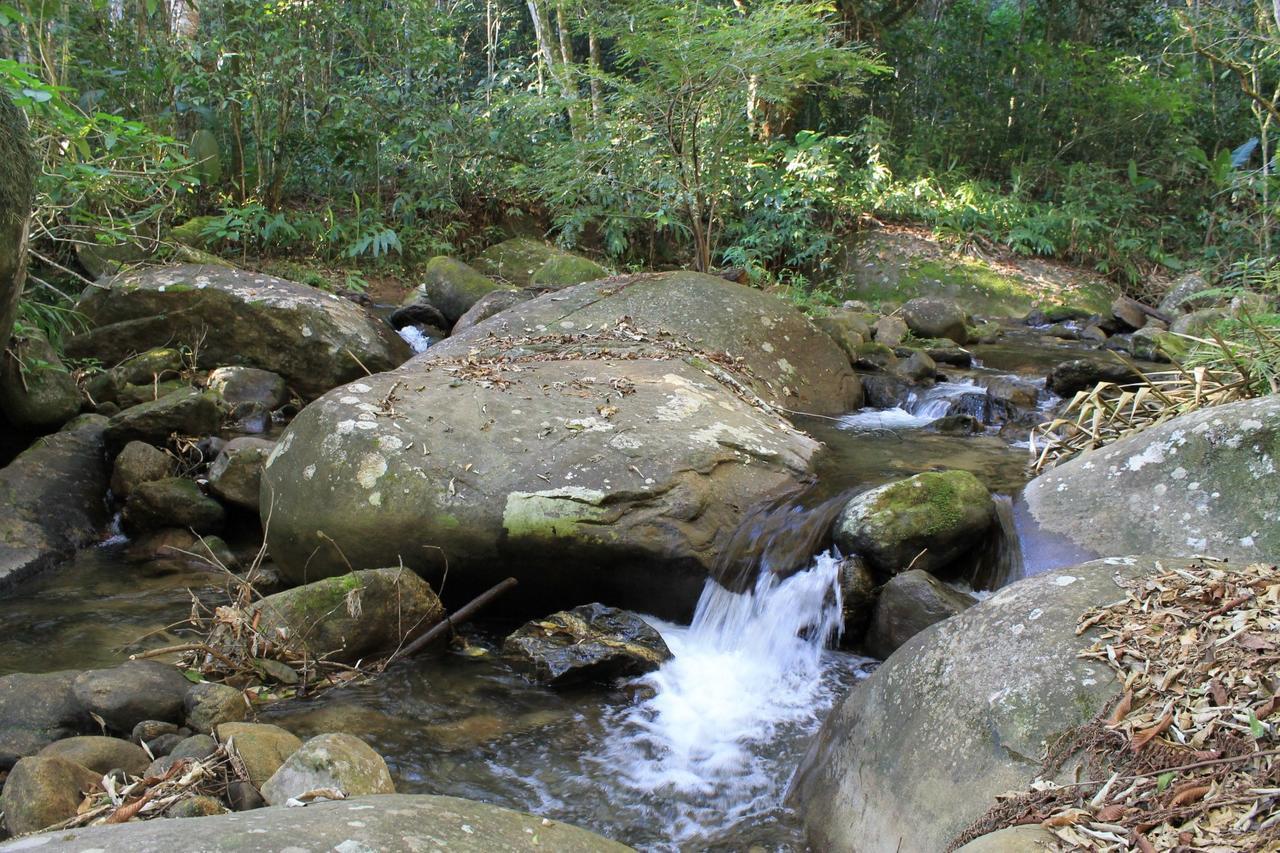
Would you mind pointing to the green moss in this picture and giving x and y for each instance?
(562, 270)
(17, 181)
(191, 232)
(931, 502)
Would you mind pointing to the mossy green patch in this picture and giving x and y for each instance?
(561, 270)
(552, 514)
(931, 502)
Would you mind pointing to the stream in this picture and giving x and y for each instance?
(696, 755)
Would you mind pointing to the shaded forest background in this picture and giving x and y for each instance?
(1129, 136)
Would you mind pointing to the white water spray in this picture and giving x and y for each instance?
(919, 409)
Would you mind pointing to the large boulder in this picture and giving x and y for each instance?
(315, 340)
(335, 761)
(125, 695)
(525, 262)
(1201, 483)
(959, 714)
(36, 391)
(52, 499)
(936, 318)
(17, 187)
(383, 822)
(789, 362)
(452, 287)
(933, 521)
(35, 711)
(352, 616)
(588, 643)
(42, 791)
(615, 478)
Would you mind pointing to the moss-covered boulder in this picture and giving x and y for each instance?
(935, 521)
(525, 262)
(351, 616)
(52, 499)
(17, 188)
(847, 328)
(452, 287)
(339, 761)
(1201, 483)
(36, 391)
(225, 317)
(959, 714)
(185, 411)
(171, 502)
(192, 232)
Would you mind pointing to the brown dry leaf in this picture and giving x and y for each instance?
(1122, 708)
(1111, 813)
(1145, 736)
(1189, 794)
(1068, 818)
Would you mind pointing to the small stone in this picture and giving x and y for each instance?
(339, 761)
(236, 475)
(160, 766)
(198, 747)
(148, 730)
(165, 744)
(244, 797)
(208, 705)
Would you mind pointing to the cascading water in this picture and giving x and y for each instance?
(718, 738)
(919, 409)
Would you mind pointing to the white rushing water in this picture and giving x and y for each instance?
(751, 671)
(919, 409)
(417, 341)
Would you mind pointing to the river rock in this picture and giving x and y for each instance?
(208, 705)
(847, 328)
(261, 746)
(959, 714)
(917, 367)
(928, 317)
(909, 603)
(525, 262)
(452, 287)
(1081, 374)
(138, 690)
(315, 340)
(1201, 483)
(17, 189)
(946, 515)
(42, 791)
(52, 498)
(136, 464)
(173, 501)
(1185, 294)
(35, 711)
(391, 822)
(857, 599)
(197, 747)
(241, 386)
(489, 305)
(1014, 839)
(99, 754)
(158, 364)
(889, 331)
(340, 761)
(201, 806)
(588, 643)
(188, 412)
(36, 391)
(236, 475)
(352, 616)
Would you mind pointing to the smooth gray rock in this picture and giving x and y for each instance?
(452, 287)
(488, 305)
(390, 822)
(931, 317)
(962, 712)
(909, 603)
(36, 710)
(99, 754)
(239, 386)
(1203, 483)
(186, 411)
(236, 475)
(134, 691)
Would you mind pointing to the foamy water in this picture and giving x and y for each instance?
(417, 341)
(919, 409)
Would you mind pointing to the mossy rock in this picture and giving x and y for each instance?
(526, 262)
(452, 287)
(191, 233)
(17, 187)
(171, 502)
(562, 269)
(933, 521)
(36, 391)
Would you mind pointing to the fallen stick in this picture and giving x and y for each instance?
(461, 615)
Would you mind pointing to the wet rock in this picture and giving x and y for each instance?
(909, 603)
(921, 748)
(239, 386)
(185, 412)
(42, 791)
(207, 705)
(944, 351)
(452, 287)
(489, 305)
(889, 331)
(386, 822)
(198, 747)
(36, 391)
(1200, 483)
(201, 806)
(16, 202)
(956, 425)
(52, 499)
(136, 464)
(178, 550)
(134, 691)
(340, 761)
(315, 340)
(933, 521)
(884, 391)
(36, 710)
(1012, 392)
(918, 367)
(936, 318)
(99, 754)
(588, 643)
(262, 747)
(857, 599)
(352, 616)
(236, 475)
(1094, 333)
(541, 465)
(1082, 374)
(173, 501)
(1063, 332)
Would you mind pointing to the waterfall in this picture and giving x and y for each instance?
(920, 408)
(1002, 561)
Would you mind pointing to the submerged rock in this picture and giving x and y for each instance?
(588, 643)
(909, 603)
(42, 791)
(352, 616)
(935, 521)
(338, 761)
(315, 340)
(52, 499)
(959, 714)
(1201, 483)
(390, 822)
